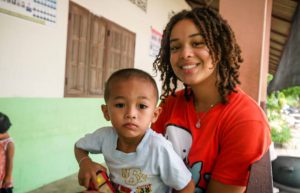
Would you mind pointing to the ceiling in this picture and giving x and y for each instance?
(282, 14)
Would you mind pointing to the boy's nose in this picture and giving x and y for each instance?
(129, 116)
(131, 113)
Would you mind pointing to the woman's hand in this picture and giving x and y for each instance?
(87, 172)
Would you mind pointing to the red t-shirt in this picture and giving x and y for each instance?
(230, 139)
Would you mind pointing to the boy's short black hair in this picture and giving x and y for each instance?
(127, 73)
(4, 123)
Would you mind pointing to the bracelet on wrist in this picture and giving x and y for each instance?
(83, 158)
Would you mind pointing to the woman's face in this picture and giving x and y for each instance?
(189, 55)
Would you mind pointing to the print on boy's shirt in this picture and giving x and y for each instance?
(140, 189)
(133, 176)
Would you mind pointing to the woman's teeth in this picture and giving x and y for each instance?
(187, 67)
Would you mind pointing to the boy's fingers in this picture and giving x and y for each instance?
(94, 180)
(80, 180)
(86, 182)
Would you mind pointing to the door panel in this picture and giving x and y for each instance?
(97, 50)
(77, 51)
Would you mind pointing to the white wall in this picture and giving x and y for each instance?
(32, 56)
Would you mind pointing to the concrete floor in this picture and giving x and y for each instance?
(65, 185)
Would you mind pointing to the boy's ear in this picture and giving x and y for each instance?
(156, 113)
(105, 112)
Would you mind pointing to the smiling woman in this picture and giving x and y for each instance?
(199, 49)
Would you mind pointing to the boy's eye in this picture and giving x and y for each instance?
(119, 105)
(142, 106)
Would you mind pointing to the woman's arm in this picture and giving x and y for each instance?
(218, 187)
(9, 164)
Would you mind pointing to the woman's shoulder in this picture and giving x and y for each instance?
(241, 98)
(177, 98)
(174, 103)
(243, 106)
(242, 115)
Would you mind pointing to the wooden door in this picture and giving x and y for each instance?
(120, 48)
(97, 50)
(77, 48)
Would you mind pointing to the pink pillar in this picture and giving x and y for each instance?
(251, 22)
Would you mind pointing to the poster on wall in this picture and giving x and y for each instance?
(38, 11)
(155, 42)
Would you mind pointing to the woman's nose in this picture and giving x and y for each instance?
(186, 52)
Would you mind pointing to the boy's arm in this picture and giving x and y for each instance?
(87, 168)
(9, 164)
(189, 188)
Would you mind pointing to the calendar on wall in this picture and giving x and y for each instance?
(38, 11)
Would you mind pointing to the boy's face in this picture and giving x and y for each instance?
(131, 107)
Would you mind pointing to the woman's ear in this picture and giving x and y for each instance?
(105, 112)
(212, 66)
(156, 113)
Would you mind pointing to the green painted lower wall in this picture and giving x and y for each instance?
(44, 131)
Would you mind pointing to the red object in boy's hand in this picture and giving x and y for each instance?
(103, 183)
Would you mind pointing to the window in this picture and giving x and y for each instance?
(96, 47)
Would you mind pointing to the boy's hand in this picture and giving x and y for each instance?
(87, 172)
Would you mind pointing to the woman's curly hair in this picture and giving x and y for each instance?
(222, 45)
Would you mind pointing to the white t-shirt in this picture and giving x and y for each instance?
(154, 166)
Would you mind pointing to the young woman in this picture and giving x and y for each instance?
(216, 128)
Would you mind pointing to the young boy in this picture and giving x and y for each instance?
(138, 159)
(6, 155)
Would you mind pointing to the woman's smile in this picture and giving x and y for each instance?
(190, 57)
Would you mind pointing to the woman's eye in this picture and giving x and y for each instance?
(198, 44)
(119, 105)
(142, 106)
(174, 48)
